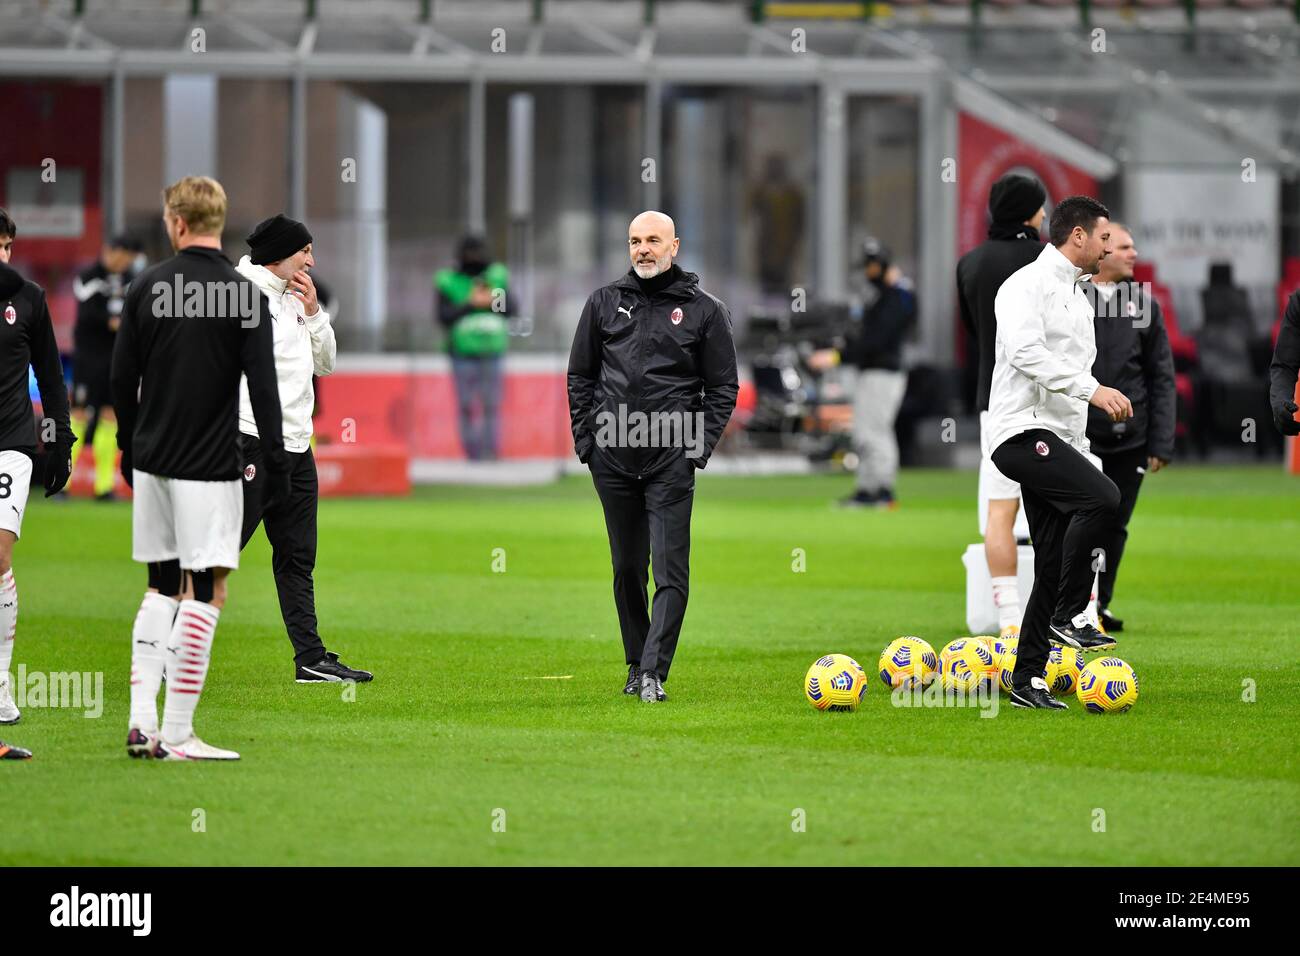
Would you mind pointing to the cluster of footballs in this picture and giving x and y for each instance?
(838, 682)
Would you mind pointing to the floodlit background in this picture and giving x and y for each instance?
(779, 135)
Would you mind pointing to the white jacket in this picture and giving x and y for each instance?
(304, 346)
(1045, 347)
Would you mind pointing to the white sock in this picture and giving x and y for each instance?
(1006, 598)
(149, 636)
(8, 621)
(189, 648)
(1094, 618)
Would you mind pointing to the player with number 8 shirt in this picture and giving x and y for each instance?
(26, 339)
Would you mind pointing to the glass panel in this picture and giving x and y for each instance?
(385, 203)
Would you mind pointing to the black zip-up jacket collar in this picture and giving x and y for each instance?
(670, 353)
(684, 285)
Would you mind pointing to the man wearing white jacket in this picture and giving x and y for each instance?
(279, 256)
(1038, 418)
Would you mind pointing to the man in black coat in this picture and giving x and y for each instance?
(652, 384)
(1133, 355)
(1015, 213)
(1282, 372)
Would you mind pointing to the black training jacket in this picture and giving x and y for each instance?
(628, 351)
(878, 341)
(1133, 355)
(186, 367)
(980, 273)
(27, 339)
(1286, 356)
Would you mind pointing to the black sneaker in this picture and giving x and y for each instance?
(885, 498)
(652, 688)
(330, 669)
(1110, 622)
(633, 685)
(1036, 697)
(1080, 634)
(861, 499)
(10, 752)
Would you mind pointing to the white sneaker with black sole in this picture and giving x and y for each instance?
(1080, 634)
(1036, 697)
(192, 749)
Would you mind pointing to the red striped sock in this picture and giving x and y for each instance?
(189, 650)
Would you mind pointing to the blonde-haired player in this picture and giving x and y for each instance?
(191, 326)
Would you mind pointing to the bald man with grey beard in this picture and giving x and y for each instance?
(652, 384)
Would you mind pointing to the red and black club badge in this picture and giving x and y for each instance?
(676, 316)
(250, 472)
(11, 314)
(1041, 448)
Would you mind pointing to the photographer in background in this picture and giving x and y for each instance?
(876, 350)
(472, 307)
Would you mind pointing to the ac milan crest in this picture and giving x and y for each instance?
(11, 314)
(1041, 448)
(677, 316)
(250, 472)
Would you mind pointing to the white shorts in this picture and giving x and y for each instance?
(15, 480)
(197, 522)
(995, 485)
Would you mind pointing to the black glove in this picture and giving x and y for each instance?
(127, 466)
(1282, 416)
(58, 467)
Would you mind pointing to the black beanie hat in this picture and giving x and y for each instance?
(1015, 198)
(276, 238)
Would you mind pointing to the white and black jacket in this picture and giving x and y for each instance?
(304, 346)
(1044, 351)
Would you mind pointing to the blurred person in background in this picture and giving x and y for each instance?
(100, 291)
(875, 349)
(1133, 355)
(1282, 372)
(778, 204)
(1015, 214)
(472, 308)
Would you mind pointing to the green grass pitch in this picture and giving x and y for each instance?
(461, 721)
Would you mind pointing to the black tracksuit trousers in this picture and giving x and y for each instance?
(1070, 505)
(649, 523)
(1126, 469)
(291, 529)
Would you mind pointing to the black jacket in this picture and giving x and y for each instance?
(100, 297)
(980, 273)
(27, 339)
(878, 342)
(629, 353)
(1286, 356)
(185, 368)
(1133, 355)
